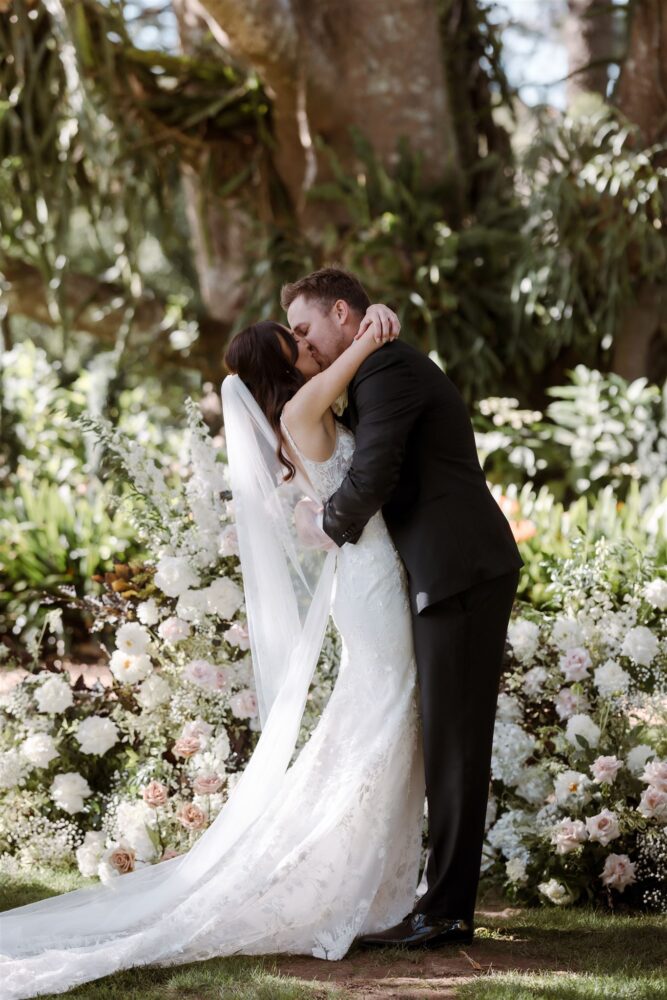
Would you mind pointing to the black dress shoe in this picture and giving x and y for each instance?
(419, 930)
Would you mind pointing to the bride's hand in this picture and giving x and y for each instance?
(382, 321)
(307, 525)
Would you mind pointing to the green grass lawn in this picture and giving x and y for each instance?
(529, 954)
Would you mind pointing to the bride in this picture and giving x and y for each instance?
(307, 853)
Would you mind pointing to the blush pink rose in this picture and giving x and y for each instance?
(575, 663)
(169, 853)
(186, 746)
(207, 784)
(155, 794)
(568, 835)
(655, 773)
(238, 635)
(122, 859)
(568, 703)
(191, 816)
(604, 827)
(605, 769)
(653, 804)
(618, 872)
(244, 704)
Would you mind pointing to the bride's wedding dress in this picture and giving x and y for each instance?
(335, 854)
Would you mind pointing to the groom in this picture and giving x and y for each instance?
(415, 458)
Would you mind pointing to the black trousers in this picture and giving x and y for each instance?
(459, 645)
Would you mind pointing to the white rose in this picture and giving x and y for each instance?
(237, 635)
(229, 542)
(655, 593)
(173, 629)
(637, 757)
(174, 575)
(133, 821)
(96, 734)
(555, 892)
(567, 702)
(53, 695)
(618, 872)
(582, 725)
(244, 704)
(567, 633)
(148, 612)
(69, 790)
(153, 692)
(571, 786)
(568, 835)
(533, 681)
(523, 636)
(640, 645)
(508, 709)
(575, 663)
(611, 678)
(604, 827)
(89, 853)
(224, 598)
(655, 774)
(515, 869)
(132, 638)
(205, 674)
(220, 747)
(40, 749)
(129, 669)
(605, 769)
(12, 769)
(192, 606)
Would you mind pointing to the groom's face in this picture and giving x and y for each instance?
(328, 333)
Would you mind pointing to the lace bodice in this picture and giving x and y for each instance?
(327, 476)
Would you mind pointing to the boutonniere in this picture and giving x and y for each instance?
(340, 404)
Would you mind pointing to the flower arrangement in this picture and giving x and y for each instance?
(578, 808)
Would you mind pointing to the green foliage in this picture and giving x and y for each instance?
(595, 202)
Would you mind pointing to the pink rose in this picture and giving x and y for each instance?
(568, 835)
(618, 871)
(191, 816)
(173, 629)
(155, 794)
(575, 664)
(202, 673)
(605, 769)
(244, 704)
(169, 853)
(238, 635)
(655, 773)
(604, 827)
(122, 859)
(207, 784)
(568, 703)
(653, 804)
(186, 746)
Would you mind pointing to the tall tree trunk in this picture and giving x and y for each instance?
(589, 37)
(641, 94)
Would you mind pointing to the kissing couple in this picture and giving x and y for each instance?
(358, 495)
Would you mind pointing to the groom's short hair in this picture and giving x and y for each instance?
(325, 287)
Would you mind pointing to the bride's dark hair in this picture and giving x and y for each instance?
(255, 355)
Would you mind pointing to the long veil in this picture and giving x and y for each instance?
(134, 919)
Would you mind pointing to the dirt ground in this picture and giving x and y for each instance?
(393, 974)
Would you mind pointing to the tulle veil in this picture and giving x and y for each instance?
(288, 588)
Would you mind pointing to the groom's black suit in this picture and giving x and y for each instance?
(415, 458)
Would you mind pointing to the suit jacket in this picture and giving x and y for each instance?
(415, 458)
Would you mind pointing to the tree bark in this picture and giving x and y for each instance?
(589, 37)
(334, 64)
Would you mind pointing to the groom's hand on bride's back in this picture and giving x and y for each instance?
(382, 322)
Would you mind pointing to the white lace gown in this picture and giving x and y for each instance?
(336, 854)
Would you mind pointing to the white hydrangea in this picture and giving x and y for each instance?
(535, 785)
(533, 681)
(96, 734)
(174, 575)
(571, 787)
(512, 746)
(581, 725)
(153, 692)
(133, 638)
(133, 821)
(508, 709)
(523, 636)
(567, 633)
(224, 598)
(515, 870)
(13, 768)
(220, 747)
(39, 749)
(89, 853)
(611, 678)
(655, 593)
(129, 669)
(192, 605)
(507, 834)
(148, 612)
(53, 695)
(69, 790)
(641, 645)
(637, 757)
